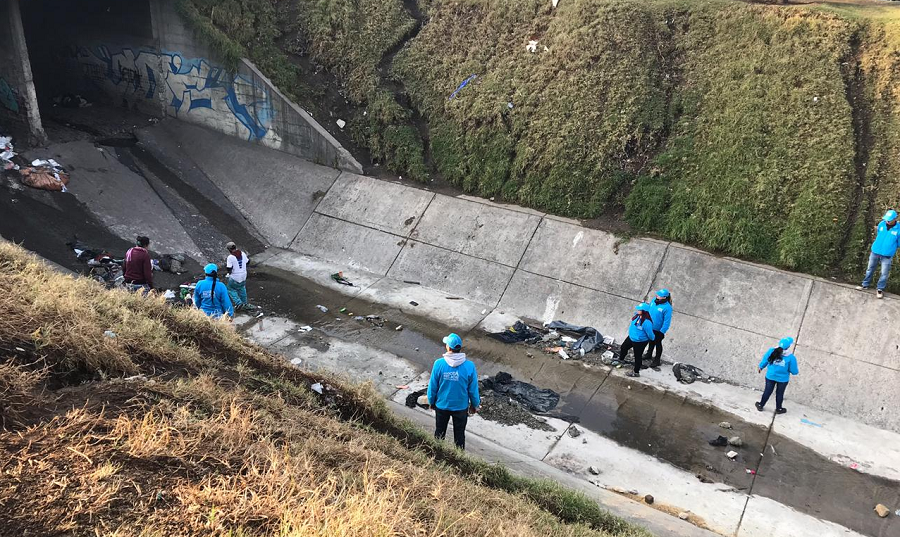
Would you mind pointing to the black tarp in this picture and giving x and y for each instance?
(590, 338)
(536, 399)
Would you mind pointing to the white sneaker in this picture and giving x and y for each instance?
(861, 288)
(879, 294)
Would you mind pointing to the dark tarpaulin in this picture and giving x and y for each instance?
(517, 333)
(536, 399)
(412, 400)
(687, 373)
(589, 340)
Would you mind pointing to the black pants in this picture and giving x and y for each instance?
(638, 352)
(655, 349)
(778, 387)
(442, 418)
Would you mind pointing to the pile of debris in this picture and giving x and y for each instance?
(7, 153)
(568, 341)
(45, 175)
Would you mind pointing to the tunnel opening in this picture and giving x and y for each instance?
(92, 60)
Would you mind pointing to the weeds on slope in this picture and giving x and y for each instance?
(177, 426)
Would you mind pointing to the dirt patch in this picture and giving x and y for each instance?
(508, 411)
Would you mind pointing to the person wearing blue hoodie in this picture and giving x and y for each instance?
(779, 366)
(453, 391)
(661, 315)
(640, 333)
(211, 295)
(887, 239)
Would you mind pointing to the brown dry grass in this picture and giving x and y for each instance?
(179, 427)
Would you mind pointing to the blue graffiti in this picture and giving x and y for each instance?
(8, 97)
(190, 84)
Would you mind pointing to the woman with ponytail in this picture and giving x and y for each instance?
(640, 333)
(779, 366)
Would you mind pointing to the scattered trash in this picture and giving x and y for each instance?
(536, 399)
(341, 123)
(359, 318)
(45, 175)
(552, 350)
(732, 455)
(260, 314)
(574, 432)
(343, 310)
(594, 470)
(509, 105)
(7, 153)
(807, 422)
(649, 499)
(897, 512)
(322, 308)
(403, 387)
(531, 46)
(751, 472)
(563, 354)
(484, 312)
(854, 466)
(297, 361)
(462, 84)
(422, 400)
(735, 441)
(412, 283)
(169, 295)
(725, 425)
(173, 263)
(110, 334)
(687, 374)
(305, 328)
(719, 441)
(412, 399)
(684, 515)
(882, 511)
(608, 357)
(554, 3)
(68, 100)
(339, 277)
(413, 302)
(399, 327)
(317, 387)
(376, 320)
(135, 378)
(517, 333)
(704, 479)
(590, 337)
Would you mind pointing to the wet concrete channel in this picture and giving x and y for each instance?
(655, 422)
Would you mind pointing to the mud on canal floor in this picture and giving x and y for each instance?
(656, 422)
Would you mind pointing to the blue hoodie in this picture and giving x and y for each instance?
(887, 240)
(454, 383)
(780, 370)
(641, 333)
(661, 314)
(213, 304)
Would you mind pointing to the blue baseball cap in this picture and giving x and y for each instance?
(643, 306)
(453, 341)
(890, 215)
(210, 268)
(664, 293)
(786, 343)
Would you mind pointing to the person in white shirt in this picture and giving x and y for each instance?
(236, 265)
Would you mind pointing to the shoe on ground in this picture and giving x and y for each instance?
(759, 406)
(781, 411)
(861, 288)
(879, 294)
(632, 374)
(654, 367)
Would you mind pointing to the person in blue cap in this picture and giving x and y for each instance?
(661, 315)
(453, 391)
(887, 239)
(779, 366)
(640, 333)
(211, 295)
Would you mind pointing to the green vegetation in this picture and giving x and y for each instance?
(178, 426)
(768, 132)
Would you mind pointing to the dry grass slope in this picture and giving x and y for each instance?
(177, 426)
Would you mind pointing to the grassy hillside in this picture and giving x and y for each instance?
(177, 426)
(767, 132)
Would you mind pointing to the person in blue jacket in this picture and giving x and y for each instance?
(640, 333)
(887, 239)
(661, 315)
(453, 391)
(211, 295)
(779, 366)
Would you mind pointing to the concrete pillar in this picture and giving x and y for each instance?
(26, 80)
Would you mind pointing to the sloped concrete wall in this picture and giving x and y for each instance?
(19, 114)
(523, 263)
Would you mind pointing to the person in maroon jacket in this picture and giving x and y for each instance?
(138, 269)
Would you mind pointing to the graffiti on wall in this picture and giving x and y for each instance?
(8, 96)
(189, 86)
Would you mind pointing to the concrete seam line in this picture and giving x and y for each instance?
(407, 238)
(805, 309)
(421, 216)
(519, 263)
(316, 208)
(662, 261)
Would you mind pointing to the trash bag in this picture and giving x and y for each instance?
(44, 178)
(536, 399)
(590, 339)
(687, 374)
(517, 333)
(413, 398)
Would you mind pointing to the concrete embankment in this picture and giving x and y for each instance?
(505, 259)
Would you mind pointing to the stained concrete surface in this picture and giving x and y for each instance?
(348, 244)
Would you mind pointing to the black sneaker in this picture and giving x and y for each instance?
(759, 406)
(632, 374)
(781, 410)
